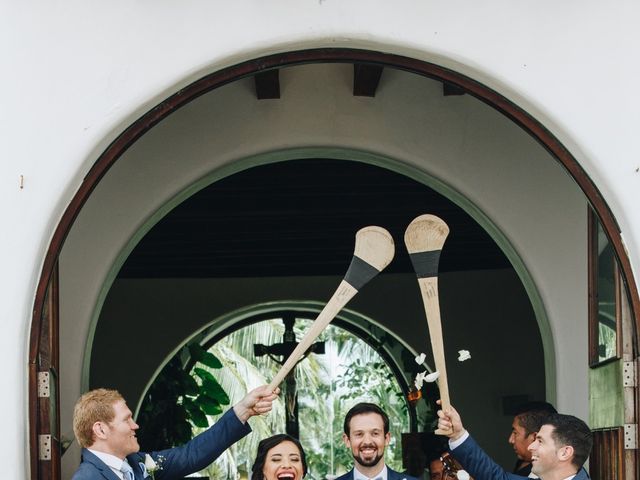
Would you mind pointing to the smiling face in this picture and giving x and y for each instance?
(367, 439)
(119, 435)
(520, 440)
(283, 462)
(546, 456)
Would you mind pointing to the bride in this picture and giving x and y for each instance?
(279, 457)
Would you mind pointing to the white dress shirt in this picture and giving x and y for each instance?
(357, 475)
(456, 443)
(113, 462)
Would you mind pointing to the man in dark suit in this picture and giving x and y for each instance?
(366, 433)
(558, 452)
(104, 427)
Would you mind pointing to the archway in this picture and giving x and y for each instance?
(421, 68)
(146, 297)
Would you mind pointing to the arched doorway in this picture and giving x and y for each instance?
(318, 56)
(189, 288)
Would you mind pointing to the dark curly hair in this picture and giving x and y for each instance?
(267, 444)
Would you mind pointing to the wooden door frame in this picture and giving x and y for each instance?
(249, 68)
(44, 395)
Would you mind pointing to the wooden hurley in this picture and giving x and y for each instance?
(424, 239)
(374, 250)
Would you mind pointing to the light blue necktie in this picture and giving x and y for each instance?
(127, 471)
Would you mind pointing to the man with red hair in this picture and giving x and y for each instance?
(104, 427)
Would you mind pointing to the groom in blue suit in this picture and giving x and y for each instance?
(366, 434)
(559, 449)
(105, 428)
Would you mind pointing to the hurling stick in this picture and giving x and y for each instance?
(373, 252)
(424, 239)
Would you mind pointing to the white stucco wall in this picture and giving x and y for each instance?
(77, 73)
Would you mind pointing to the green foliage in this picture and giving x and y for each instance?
(199, 354)
(328, 385)
(362, 375)
(176, 401)
(180, 404)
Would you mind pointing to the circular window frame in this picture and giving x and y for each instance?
(352, 321)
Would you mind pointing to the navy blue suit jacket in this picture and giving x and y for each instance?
(393, 475)
(178, 462)
(480, 466)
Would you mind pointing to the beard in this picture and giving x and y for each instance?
(367, 462)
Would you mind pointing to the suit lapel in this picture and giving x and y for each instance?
(135, 460)
(393, 475)
(99, 465)
(582, 475)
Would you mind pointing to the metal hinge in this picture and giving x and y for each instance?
(44, 442)
(43, 385)
(629, 374)
(630, 436)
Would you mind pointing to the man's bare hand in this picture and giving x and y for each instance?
(257, 402)
(449, 423)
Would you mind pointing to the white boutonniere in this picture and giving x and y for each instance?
(150, 466)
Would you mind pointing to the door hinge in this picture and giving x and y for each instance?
(44, 442)
(629, 374)
(630, 436)
(43, 385)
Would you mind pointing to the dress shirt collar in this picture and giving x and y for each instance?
(113, 462)
(383, 475)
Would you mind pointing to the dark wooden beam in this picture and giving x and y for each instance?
(366, 79)
(267, 84)
(449, 89)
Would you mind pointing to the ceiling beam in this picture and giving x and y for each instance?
(267, 84)
(365, 79)
(448, 89)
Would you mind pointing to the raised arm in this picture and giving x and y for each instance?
(465, 449)
(203, 449)
(257, 402)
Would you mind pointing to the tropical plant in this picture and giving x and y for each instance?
(328, 385)
(177, 401)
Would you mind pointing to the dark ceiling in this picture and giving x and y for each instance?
(300, 218)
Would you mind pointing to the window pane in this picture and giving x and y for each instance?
(606, 285)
